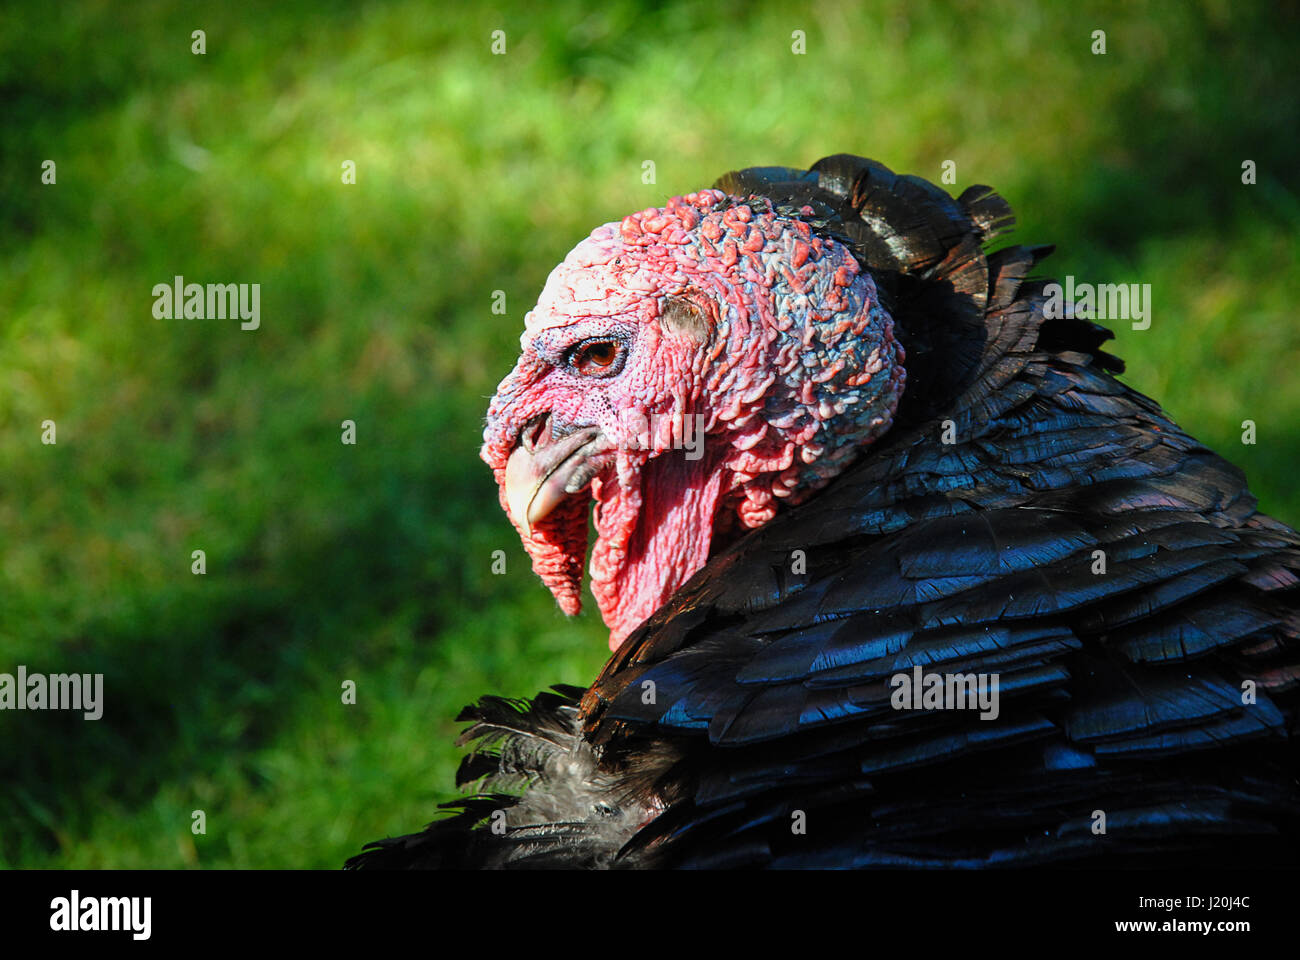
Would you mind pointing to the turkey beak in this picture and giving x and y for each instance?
(543, 470)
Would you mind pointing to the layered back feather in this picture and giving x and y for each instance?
(1115, 574)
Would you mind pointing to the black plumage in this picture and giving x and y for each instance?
(1122, 692)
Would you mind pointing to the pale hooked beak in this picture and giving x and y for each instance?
(543, 470)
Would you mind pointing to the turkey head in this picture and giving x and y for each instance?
(687, 369)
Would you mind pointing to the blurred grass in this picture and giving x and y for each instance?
(476, 173)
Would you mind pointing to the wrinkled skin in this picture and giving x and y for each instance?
(688, 369)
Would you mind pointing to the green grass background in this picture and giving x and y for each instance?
(477, 173)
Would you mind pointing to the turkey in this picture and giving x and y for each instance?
(897, 573)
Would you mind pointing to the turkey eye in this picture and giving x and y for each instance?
(595, 358)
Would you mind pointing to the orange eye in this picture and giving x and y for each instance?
(596, 357)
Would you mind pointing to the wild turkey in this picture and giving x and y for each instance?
(910, 469)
